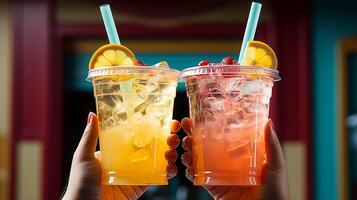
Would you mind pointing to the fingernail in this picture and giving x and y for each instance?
(89, 119)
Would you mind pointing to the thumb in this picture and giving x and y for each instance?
(275, 156)
(88, 143)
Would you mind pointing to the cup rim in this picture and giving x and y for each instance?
(230, 70)
(132, 70)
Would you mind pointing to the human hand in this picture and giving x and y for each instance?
(275, 178)
(85, 176)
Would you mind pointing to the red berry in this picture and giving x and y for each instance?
(228, 61)
(140, 63)
(203, 63)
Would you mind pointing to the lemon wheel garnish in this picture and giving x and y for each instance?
(260, 54)
(162, 64)
(112, 55)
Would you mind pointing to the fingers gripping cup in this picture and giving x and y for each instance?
(229, 105)
(134, 125)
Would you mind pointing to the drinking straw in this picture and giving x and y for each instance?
(114, 39)
(250, 28)
(109, 24)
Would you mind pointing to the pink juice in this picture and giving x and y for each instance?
(229, 106)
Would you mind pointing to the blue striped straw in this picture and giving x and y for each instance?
(250, 28)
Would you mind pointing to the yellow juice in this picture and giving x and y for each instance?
(134, 127)
(132, 155)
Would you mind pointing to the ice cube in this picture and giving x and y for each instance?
(213, 88)
(238, 151)
(157, 112)
(138, 86)
(139, 155)
(119, 112)
(237, 142)
(167, 89)
(108, 108)
(144, 130)
(106, 87)
(212, 84)
(152, 84)
(267, 90)
(134, 102)
(232, 85)
(142, 137)
(214, 104)
(100, 80)
(121, 117)
(110, 100)
(253, 105)
(141, 108)
(159, 100)
(152, 98)
(108, 121)
(215, 92)
(209, 115)
(115, 88)
(213, 128)
(235, 119)
(139, 93)
(233, 96)
(235, 151)
(252, 87)
(265, 100)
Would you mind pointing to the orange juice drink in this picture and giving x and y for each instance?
(135, 107)
(229, 106)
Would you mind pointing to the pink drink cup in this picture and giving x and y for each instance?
(229, 106)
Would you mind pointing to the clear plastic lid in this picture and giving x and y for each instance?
(133, 71)
(231, 70)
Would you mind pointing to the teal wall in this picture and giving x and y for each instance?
(331, 21)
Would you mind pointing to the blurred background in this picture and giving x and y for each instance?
(45, 47)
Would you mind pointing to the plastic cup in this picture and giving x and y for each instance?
(133, 134)
(229, 106)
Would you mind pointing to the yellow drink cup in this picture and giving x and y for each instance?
(135, 107)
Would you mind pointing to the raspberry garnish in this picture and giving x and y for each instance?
(228, 61)
(140, 63)
(203, 63)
